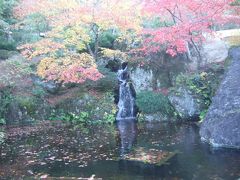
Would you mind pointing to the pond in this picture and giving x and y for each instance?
(125, 150)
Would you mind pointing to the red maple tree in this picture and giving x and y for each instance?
(184, 23)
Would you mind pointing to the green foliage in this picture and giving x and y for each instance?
(202, 85)
(38, 91)
(36, 23)
(6, 19)
(94, 109)
(4, 44)
(109, 117)
(105, 109)
(82, 117)
(30, 28)
(13, 70)
(29, 103)
(107, 38)
(203, 114)
(6, 7)
(22, 36)
(5, 54)
(2, 121)
(5, 99)
(150, 102)
(107, 83)
(236, 3)
(2, 137)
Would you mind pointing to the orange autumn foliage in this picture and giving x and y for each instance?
(75, 23)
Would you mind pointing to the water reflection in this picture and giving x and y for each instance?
(127, 134)
(65, 152)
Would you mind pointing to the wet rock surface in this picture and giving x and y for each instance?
(221, 125)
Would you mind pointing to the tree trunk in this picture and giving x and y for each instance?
(96, 45)
(90, 50)
(189, 55)
(199, 58)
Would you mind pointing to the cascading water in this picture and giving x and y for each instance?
(126, 103)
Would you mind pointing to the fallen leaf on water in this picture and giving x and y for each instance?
(44, 176)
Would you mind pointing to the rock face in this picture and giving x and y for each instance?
(49, 86)
(222, 123)
(142, 80)
(17, 115)
(211, 50)
(159, 71)
(185, 104)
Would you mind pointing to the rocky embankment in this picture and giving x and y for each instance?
(222, 122)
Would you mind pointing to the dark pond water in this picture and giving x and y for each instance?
(102, 150)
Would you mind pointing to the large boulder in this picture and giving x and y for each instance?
(213, 50)
(26, 111)
(157, 71)
(49, 86)
(21, 109)
(221, 126)
(142, 79)
(17, 115)
(185, 103)
(98, 106)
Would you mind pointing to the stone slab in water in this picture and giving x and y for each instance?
(221, 127)
(150, 156)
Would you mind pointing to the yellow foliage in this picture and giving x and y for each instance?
(113, 53)
(78, 36)
(42, 47)
(52, 68)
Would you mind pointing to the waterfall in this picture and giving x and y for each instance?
(126, 103)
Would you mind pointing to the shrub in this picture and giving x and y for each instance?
(149, 102)
(38, 91)
(106, 39)
(73, 118)
(5, 54)
(202, 85)
(5, 99)
(2, 137)
(11, 46)
(14, 70)
(29, 103)
(107, 83)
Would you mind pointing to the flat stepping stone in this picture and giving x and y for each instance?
(150, 156)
